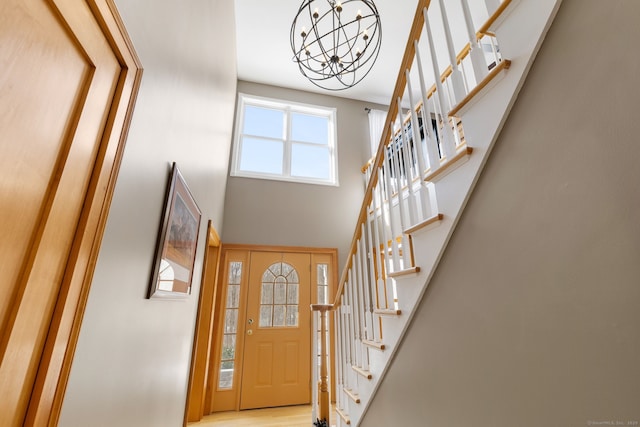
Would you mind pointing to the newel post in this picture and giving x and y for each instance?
(323, 384)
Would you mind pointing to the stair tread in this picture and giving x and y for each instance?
(343, 415)
(419, 226)
(502, 65)
(374, 344)
(354, 396)
(362, 372)
(387, 312)
(404, 272)
(447, 165)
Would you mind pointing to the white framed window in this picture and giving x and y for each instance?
(285, 141)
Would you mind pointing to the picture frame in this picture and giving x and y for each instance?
(177, 241)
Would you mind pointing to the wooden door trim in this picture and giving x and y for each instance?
(272, 248)
(55, 365)
(219, 312)
(203, 332)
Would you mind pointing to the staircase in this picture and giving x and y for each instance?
(438, 135)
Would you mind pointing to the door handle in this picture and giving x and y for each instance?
(250, 332)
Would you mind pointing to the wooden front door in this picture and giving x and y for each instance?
(277, 346)
(66, 82)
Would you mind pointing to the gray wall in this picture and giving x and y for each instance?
(132, 362)
(532, 318)
(283, 213)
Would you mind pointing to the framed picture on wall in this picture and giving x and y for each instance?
(177, 241)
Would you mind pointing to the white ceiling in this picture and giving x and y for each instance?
(265, 56)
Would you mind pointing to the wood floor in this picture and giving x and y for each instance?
(288, 416)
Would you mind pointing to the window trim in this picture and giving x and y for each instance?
(287, 107)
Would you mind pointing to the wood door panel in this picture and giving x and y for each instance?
(276, 360)
(53, 73)
(263, 364)
(58, 92)
(291, 375)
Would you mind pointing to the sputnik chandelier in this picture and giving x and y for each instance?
(335, 43)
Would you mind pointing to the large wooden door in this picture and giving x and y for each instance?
(277, 355)
(65, 97)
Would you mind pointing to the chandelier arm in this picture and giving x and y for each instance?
(351, 42)
(321, 47)
(368, 44)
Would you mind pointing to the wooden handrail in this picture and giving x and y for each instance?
(401, 82)
(364, 168)
(492, 19)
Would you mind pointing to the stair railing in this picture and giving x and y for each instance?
(422, 138)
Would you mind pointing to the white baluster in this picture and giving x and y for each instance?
(372, 268)
(478, 61)
(353, 349)
(345, 363)
(364, 327)
(375, 244)
(394, 260)
(383, 233)
(389, 205)
(431, 143)
(465, 78)
(355, 299)
(340, 355)
(396, 226)
(457, 81)
(328, 352)
(355, 315)
(417, 142)
(360, 296)
(406, 262)
(364, 277)
(314, 367)
(415, 128)
(348, 318)
(407, 160)
(447, 140)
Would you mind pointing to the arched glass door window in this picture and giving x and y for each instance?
(279, 296)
